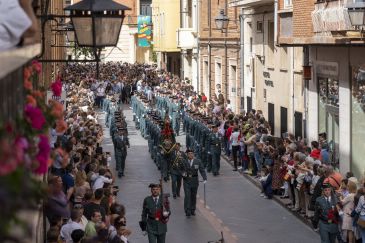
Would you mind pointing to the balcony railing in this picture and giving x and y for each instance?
(186, 38)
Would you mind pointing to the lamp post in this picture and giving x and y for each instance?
(97, 24)
(221, 21)
(356, 13)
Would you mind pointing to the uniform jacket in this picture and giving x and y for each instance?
(191, 174)
(149, 212)
(121, 144)
(216, 143)
(324, 212)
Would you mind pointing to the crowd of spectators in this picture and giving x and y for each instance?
(82, 204)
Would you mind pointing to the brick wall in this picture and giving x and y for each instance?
(302, 20)
(219, 41)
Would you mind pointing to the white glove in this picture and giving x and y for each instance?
(205, 181)
(165, 213)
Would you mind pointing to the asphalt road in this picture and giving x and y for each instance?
(233, 204)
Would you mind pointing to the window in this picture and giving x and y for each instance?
(270, 34)
(271, 117)
(357, 120)
(218, 77)
(259, 26)
(205, 78)
(288, 4)
(251, 44)
(145, 9)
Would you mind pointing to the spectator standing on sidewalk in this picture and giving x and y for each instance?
(235, 141)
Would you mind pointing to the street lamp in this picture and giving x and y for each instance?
(356, 13)
(97, 24)
(221, 21)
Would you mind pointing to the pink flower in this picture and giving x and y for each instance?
(34, 116)
(37, 66)
(43, 155)
(8, 160)
(57, 87)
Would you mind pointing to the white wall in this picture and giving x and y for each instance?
(126, 49)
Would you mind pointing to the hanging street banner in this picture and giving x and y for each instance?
(144, 31)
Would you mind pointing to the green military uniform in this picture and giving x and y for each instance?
(325, 217)
(153, 218)
(121, 142)
(191, 184)
(215, 150)
(177, 169)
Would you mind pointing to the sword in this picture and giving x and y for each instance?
(205, 195)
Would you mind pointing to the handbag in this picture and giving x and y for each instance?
(361, 223)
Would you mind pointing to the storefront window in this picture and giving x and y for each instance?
(358, 121)
(328, 112)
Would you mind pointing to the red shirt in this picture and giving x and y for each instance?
(229, 132)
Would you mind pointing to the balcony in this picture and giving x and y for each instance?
(248, 3)
(329, 18)
(186, 38)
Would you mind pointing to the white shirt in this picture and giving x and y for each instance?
(67, 229)
(191, 162)
(99, 182)
(234, 138)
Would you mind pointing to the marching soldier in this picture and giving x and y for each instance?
(191, 182)
(121, 143)
(326, 216)
(215, 150)
(177, 168)
(155, 214)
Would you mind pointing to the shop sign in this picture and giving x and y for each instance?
(268, 82)
(327, 69)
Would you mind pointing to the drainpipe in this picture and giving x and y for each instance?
(242, 60)
(197, 21)
(306, 88)
(209, 47)
(276, 6)
(226, 54)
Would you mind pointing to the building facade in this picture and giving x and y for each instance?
(127, 49)
(272, 75)
(166, 21)
(334, 51)
(219, 53)
(187, 40)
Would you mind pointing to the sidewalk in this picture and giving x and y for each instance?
(282, 202)
(235, 202)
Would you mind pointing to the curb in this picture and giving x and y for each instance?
(275, 197)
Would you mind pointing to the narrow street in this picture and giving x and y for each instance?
(234, 205)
